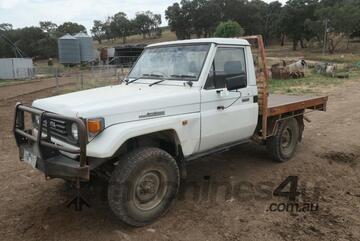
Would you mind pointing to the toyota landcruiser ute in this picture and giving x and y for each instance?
(180, 101)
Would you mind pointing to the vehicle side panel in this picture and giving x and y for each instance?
(186, 126)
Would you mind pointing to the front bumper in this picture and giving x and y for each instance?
(49, 159)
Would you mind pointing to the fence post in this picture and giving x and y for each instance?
(56, 79)
(122, 74)
(81, 80)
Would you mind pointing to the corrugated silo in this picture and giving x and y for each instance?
(86, 47)
(69, 50)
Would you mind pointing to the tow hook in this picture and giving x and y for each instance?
(78, 201)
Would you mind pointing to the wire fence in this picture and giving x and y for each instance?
(67, 79)
(92, 77)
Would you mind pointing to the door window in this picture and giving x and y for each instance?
(228, 63)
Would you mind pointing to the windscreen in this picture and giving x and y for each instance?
(171, 62)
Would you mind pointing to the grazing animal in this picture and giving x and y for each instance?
(296, 67)
(330, 69)
(326, 68)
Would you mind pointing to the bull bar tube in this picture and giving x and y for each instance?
(49, 159)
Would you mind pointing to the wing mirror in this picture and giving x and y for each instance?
(236, 82)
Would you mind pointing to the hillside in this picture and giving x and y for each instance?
(167, 35)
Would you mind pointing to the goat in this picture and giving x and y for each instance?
(298, 66)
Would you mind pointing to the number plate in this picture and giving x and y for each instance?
(30, 158)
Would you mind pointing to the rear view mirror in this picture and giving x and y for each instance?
(236, 82)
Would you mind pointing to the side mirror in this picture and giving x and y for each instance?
(236, 82)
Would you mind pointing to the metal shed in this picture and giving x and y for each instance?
(127, 54)
(16, 68)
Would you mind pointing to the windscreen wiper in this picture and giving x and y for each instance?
(156, 82)
(133, 80)
(143, 76)
(153, 75)
(183, 76)
(161, 77)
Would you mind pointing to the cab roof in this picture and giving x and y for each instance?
(230, 41)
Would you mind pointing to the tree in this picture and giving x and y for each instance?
(272, 28)
(178, 21)
(343, 21)
(5, 27)
(49, 43)
(146, 23)
(200, 17)
(70, 28)
(293, 17)
(108, 34)
(32, 42)
(120, 26)
(98, 31)
(48, 27)
(206, 17)
(254, 20)
(229, 29)
(6, 48)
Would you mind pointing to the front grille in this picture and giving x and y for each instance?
(57, 127)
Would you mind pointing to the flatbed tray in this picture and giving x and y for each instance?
(280, 104)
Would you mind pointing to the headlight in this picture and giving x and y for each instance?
(75, 131)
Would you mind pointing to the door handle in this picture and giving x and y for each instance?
(220, 107)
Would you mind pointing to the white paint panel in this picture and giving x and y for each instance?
(109, 141)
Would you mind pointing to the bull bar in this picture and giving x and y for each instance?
(50, 160)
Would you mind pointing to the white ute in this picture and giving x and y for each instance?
(180, 101)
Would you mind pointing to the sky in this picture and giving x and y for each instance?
(21, 13)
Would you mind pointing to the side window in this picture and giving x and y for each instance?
(228, 63)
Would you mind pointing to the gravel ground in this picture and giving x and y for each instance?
(327, 164)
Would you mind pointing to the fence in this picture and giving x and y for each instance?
(69, 79)
(91, 77)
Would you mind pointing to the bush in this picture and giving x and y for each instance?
(229, 29)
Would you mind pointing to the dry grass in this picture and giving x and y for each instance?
(313, 83)
(167, 35)
(352, 55)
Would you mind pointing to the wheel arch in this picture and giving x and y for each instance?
(274, 123)
(167, 140)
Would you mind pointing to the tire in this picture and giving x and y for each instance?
(143, 186)
(281, 147)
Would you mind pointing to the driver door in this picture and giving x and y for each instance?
(226, 116)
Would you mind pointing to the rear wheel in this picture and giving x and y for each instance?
(281, 147)
(143, 186)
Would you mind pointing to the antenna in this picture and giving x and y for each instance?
(16, 49)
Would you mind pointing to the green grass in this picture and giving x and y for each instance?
(6, 81)
(346, 58)
(313, 83)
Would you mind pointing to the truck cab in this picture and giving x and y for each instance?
(181, 100)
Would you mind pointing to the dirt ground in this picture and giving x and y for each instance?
(327, 162)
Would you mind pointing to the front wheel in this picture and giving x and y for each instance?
(281, 147)
(143, 185)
